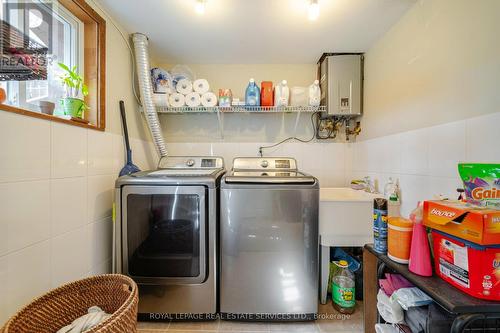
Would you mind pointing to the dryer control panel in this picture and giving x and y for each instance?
(191, 162)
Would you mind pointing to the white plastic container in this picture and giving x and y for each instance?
(314, 94)
(298, 96)
(161, 100)
(281, 94)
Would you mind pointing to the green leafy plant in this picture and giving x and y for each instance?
(72, 104)
(73, 82)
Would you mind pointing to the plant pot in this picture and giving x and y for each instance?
(73, 106)
(47, 107)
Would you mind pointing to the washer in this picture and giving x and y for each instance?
(269, 241)
(166, 236)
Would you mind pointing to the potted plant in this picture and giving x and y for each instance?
(73, 82)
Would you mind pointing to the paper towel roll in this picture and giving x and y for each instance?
(201, 86)
(161, 100)
(184, 86)
(176, 100)
(193, 99)
(208, 99)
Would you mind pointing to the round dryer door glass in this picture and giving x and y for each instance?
(165, 232)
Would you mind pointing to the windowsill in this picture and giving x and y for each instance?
(13, 109)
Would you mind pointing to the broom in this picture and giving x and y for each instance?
(129, 166)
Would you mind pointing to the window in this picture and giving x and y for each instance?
(71, 33)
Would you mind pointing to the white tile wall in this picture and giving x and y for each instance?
(326, 161)
(25, 210)
(56, 186)
(28, 274)
(100, 149)
(425, 160)
(100, 196)
(68, 201)
(68, 150)
(25, 153)
(69, 256)
(101, 235)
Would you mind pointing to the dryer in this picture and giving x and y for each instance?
(165, 236)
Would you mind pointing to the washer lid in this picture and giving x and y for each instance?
(269, 177)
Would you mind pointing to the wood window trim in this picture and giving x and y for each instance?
(93, 22)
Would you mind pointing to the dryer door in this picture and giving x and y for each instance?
(164, 234)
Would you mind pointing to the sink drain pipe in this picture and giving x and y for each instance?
(140, 42)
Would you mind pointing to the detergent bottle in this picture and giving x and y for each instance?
(252, 94)
(314, 94)
(281, 94)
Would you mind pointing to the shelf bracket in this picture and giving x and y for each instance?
(296, 123)
(220, 120)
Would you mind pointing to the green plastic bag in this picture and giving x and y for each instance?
(481, 183)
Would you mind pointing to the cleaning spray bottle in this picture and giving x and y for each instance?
(420, 256)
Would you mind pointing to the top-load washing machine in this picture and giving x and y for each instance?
(166, 236)
(269, 241)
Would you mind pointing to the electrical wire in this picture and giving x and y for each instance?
(127, 42)
(261, 148)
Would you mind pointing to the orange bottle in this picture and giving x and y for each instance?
(3, 95)
(266, 93)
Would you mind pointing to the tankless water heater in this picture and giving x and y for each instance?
(341, 82)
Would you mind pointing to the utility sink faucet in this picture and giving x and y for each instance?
(369, 185)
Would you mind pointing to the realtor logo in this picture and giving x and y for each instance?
(25, 40)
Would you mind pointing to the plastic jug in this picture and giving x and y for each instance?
(252, 94)
(281, 94)
(420, 256)
(314, 94)
(343, 288)
(266, 93)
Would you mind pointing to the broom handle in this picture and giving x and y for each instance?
(125, 130)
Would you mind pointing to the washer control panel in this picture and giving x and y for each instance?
(270, 163)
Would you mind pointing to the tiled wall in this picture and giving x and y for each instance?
(425, 160)
(326, 161)
(56, 184)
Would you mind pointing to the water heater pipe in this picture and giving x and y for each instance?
(146, 88)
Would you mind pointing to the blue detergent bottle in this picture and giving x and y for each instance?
(252, 94)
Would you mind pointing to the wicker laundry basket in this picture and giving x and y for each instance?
(115, 294)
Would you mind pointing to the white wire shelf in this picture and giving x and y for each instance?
(240, 109)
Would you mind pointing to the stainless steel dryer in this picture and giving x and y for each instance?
(269, 241)
(166, 236)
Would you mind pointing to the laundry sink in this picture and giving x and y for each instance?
(345, 216)
(345, 219)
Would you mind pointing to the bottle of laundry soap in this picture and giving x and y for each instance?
(314, 94)
(252, 94)
(281, 94)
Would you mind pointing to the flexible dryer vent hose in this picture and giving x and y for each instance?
(144, 77)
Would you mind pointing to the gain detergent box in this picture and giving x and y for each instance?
(481, 183)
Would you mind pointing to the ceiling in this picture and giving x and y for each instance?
(255, 31)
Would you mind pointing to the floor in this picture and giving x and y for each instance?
(329, 321)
